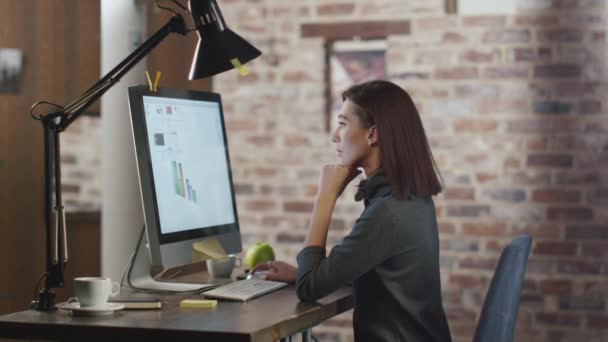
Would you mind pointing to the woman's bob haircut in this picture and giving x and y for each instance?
(405, 153)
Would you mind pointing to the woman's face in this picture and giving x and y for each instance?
(351, 138)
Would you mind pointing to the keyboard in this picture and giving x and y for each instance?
(244, 290)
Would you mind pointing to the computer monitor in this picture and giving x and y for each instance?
(184, 173)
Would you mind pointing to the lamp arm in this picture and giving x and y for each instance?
(56, 122)
(175, 25)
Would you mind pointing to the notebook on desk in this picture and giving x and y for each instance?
(244, 290)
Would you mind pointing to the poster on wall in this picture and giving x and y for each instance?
(11, 61)
(353, 62)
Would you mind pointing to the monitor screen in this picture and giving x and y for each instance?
(184, 172)
(189, 163)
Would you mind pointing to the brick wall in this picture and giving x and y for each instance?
(80, 165)
(515, 110)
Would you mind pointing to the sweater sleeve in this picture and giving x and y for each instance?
(368, 244)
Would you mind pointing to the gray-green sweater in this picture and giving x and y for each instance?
(391, 257)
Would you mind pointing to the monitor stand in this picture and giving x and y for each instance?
(139, 277)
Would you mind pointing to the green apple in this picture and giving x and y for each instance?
(259, 252)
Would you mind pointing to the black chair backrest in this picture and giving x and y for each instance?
(499, 313)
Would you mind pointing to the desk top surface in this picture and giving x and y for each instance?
(276, 315)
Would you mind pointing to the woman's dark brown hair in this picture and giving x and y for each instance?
(404, 150)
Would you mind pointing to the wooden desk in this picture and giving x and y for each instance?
(268, 318)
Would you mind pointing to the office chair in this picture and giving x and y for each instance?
(499, 313)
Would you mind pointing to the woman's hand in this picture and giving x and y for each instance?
(277, 271)
(334, 178)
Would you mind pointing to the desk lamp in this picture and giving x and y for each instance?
(218, 49)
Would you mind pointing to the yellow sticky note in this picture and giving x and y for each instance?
(208, 249)
(237, 64)
(198, 304)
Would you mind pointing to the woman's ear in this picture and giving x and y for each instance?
(372, 136)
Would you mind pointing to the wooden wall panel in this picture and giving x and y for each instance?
(60, 42)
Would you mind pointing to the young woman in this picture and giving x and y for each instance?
(391, 256)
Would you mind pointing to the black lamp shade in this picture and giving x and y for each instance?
(217, 45)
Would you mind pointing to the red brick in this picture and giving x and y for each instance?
(459, 193)
(560, 319)
(265, 172)
(233, 125)
(557, 248)
(466, 281)
(556, 286)
(556, 196)
(494, 246)
(261, 140)
(578, 267)
(560, 35)
(445, 227)
(484, 177)
(260, 205)
(481, 263)
(550, 160)
(557, 71)
(459, 245)
(290, 238)
(468, 210)
(580, 177)
(597, 321)
(539, 231)
(335, 9)
(491, 21)
(296, 206)
(457, 73)
(475, 126)
(459, 313)
(508, 36)
(454, 38)
(504, 72)
(511, 163)
(297, 76)
(576, 88)
(595, 249)
(531, 126)
(484, 229)
(297, 141)
(435, 23)
(590, 107)
(537, 143)
(569, 213)
(598, 37)
(532, 54)
(504, 106)
(587, 232)
(536, 20)
(362, 29)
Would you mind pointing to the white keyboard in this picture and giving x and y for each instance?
(244, 290)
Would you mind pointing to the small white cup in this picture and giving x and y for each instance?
(222, 268)
(94, 291)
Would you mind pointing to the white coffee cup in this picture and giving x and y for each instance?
(94, 291)
(222, 268)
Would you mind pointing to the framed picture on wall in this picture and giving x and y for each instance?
(353, 62)
(11, 61)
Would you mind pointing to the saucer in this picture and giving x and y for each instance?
(76, 310)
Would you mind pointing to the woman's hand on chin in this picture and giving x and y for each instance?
(334, 178)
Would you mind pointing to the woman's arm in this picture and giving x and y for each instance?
(332, 182)
(319, 222)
